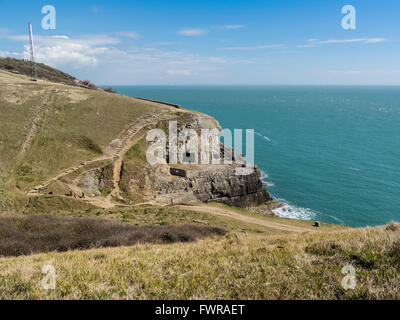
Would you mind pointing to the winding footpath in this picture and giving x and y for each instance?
(245, 218)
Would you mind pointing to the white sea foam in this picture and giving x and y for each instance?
(264, 137)
(293, 212)
(264, 175)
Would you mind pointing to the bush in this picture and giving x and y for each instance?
(110, 90)
(23, 235)
(393, 226)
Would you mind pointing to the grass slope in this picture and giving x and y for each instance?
(62, 126)
(47, 127)
(239, 265)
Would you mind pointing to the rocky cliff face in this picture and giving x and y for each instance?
(210, 184)
(166, 184)
(227, 187)
(90, 141)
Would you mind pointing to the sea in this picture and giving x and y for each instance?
(330, 153)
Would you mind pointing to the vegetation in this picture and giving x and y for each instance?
(23, 235)
(69, 127)
(110, 90)
(235, 266)
(43, 71)
(143, 251)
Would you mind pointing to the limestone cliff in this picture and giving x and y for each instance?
(57, 138)
(181, 183)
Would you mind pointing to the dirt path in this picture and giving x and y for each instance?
(127, 143)
(241, 217)
(36, 189)
(35, 124)
(113, 152)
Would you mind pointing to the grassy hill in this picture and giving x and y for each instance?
(250, 262)
(56, 137)
(43, 72)
(48, 127)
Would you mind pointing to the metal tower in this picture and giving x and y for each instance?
(34, 75)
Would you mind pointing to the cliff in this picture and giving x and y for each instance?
(56, 138)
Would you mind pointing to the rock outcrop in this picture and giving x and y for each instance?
(233, 184)
(211, 184)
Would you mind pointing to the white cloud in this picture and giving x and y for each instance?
(104, 59)
(4, 54)
(233, 26)
(161, 43)
(272, 46)
(360, 40)
(74, 55)
(192, 32)
(315, 42)
(178, 72)
(60, 37)
(60, 51)
(306, 46)
(128, 34)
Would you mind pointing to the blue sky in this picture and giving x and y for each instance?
(211, 42)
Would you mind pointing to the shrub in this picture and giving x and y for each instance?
(23, 235)
(110, 90)
(393, 226)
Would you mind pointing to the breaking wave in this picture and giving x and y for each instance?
(293, 212)
(264, 137)
(264, 177)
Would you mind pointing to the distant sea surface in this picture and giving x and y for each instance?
(330, 153)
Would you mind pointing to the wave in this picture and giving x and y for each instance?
(269, 184)
(264, 177)
(264, 137)
(293, 212)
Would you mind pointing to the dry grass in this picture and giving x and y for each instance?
(68, 131)
(235, 266)
(24, 235)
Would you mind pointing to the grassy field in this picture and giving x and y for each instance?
(249, 262)
(73, 125)
(29, 234)
(235, 266)
(49, 127)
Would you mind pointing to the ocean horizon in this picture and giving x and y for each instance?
(330, 153)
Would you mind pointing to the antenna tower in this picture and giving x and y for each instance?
(34, 75)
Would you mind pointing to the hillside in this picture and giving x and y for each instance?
(43, 72)
(57, 138)
(250, 262)
(144, 232)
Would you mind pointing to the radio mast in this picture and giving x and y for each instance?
(32, 52)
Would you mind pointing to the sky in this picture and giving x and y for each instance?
(149, 42)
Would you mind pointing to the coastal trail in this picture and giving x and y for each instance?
(34, 127)
(245, 218)
(113, 152)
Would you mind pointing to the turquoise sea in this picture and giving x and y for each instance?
(331, 153)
